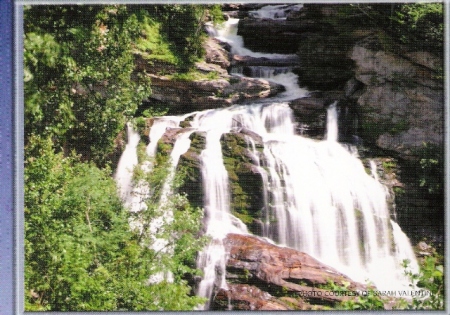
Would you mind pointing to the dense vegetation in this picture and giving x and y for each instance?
(81, 87)
(418, 26)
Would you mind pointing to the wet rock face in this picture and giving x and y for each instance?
(247, 61)
(223, 91)
(263, 276)
(310, 115)
(216, 53)
(242, 297)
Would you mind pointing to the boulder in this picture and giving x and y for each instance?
(215, 53)
(185, 96)
(274, 277)
(246, 89)
(245, 297)
(281, 266)
(242, 61)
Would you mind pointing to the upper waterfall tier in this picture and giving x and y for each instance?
(284, 76)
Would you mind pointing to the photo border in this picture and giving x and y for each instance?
(11, 152)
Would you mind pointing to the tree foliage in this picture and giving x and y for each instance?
(80, 252)
(182, 25)
(80, 85)
(431, 277)
(413, 24)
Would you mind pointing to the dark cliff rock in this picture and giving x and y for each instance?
(291, 61)
(325, 65)
(275, 36)
(310, 114)
(397, 92)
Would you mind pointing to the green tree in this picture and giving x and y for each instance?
(80, 83)
(81, 86)
(80, 252)
(182, 25)
(413, 24)
(430, 278)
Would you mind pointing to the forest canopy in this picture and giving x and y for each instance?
(81, 88)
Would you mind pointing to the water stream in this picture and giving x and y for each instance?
(318, 197)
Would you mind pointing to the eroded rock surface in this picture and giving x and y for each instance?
(402, 103)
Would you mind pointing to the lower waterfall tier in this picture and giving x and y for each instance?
(249, 171)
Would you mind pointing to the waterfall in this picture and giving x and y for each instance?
(332, 123)
(274, 11)
(218, 220)
(279, 75)
(323, 201)
(326, 205)
(131, 197)
(228, 34)
(317, 195)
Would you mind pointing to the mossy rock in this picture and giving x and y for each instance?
(246, 183)
(190, 164)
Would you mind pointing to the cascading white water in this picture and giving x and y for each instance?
(283, 76)
(127, 162)
(131, 198)
(317, 195)
(228, 34)
(332, 123)
(327, 206)
(181, 145)
(274, 11)
(216, 203)
(134, 194)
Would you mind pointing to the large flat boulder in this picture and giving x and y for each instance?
(266, 276)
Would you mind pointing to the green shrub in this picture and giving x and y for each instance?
(431, 278)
